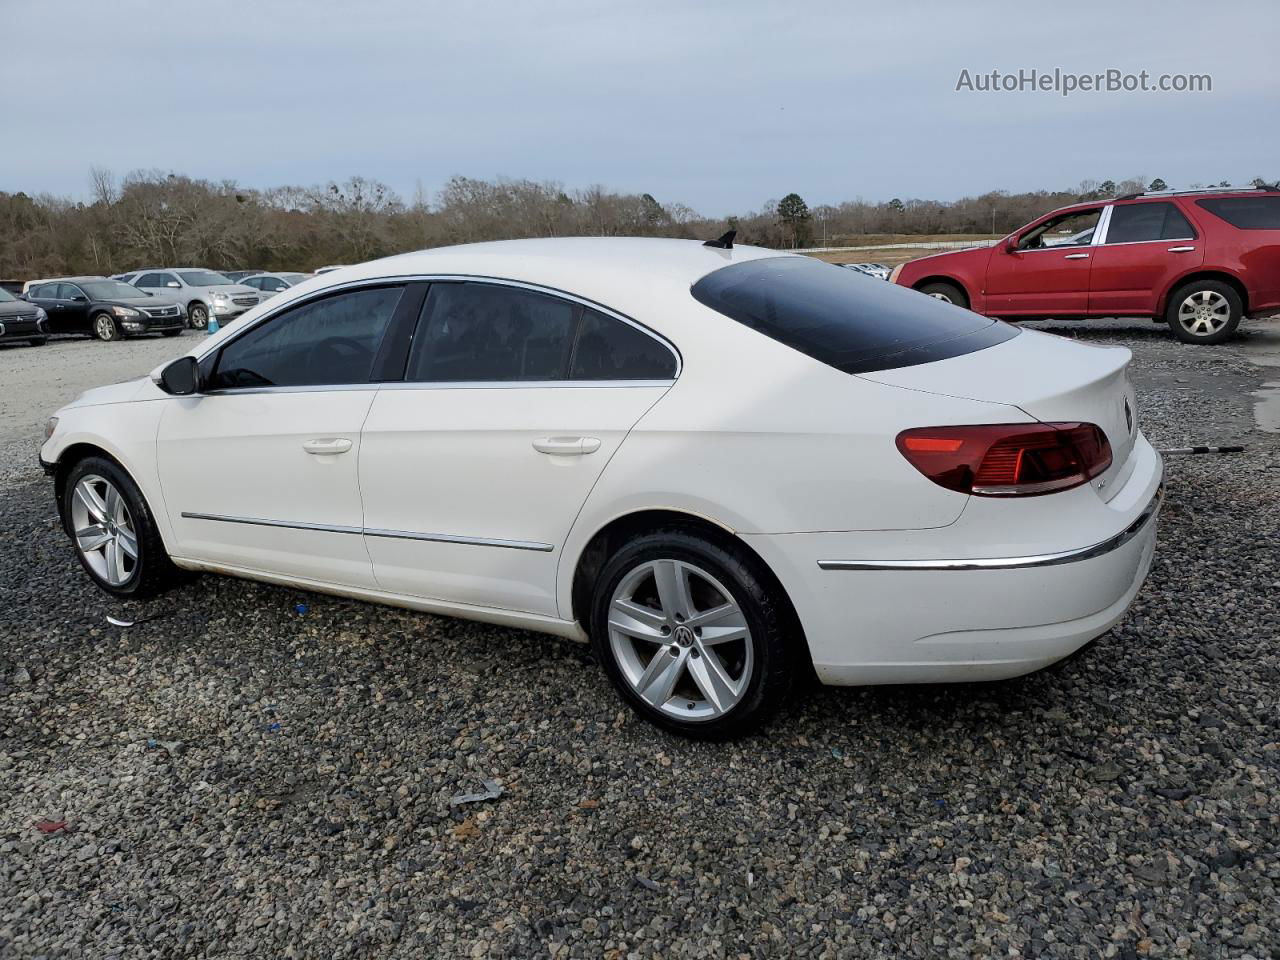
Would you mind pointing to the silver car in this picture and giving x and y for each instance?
(205, 293)
(269, 284)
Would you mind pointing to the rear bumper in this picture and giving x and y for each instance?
(948, 619)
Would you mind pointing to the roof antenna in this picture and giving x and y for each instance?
(723, 242)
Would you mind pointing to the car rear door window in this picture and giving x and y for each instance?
(151, 280)
(1140, 222)
(328, 342)
(844, 319)
(1247, 213)
(482, 332)
(610, 349)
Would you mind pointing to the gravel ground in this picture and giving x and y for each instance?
(247, 776)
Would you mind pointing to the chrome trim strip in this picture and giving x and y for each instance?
(368, 532)
(1010, 563)
(400, 279)
(470, 541)
(256, 522)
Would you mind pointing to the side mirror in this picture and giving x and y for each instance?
(79, 298)
(181, 378)
(174, 284)
(1011, 245)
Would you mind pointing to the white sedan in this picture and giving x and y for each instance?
(722, 464)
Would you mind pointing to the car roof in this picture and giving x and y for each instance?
(624, 273)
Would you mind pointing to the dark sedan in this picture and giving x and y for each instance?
(106, 309)
(20, 320)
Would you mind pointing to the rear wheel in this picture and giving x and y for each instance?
(113, 531)
(104, 327)
(945, 291)
(693, 635)
(1204, 312)
(198, 314)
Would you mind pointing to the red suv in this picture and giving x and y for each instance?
(1197, 260)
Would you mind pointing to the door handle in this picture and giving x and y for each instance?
(1076, 256)
(1181, 249)
(327, 446)
(566, 446)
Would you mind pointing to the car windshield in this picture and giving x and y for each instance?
(292, 279)
(204, 278)
(6, 296)
(111, 290)
(843, 318)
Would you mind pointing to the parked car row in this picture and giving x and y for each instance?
(1196, 260)
(98, 306)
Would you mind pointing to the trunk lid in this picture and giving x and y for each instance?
(1047, 377)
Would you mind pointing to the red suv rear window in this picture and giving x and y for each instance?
(1247, 213)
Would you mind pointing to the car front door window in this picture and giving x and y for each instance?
(1075, 229)
(333, 341)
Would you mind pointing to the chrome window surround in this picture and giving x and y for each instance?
(1104, 218)
(1012, 563)
(1104, 228)
(372, 532)
(445, 384)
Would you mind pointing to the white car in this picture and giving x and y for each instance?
(269, 284)
(722, 464)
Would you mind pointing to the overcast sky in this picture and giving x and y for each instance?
(720, 105)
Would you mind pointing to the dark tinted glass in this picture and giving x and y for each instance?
(486, 332)
(151, 280)
(1136, 222)
(112, 290)
(609, 349)
(1247, 213)
(44, 291)
(849, 321)
(325, 342)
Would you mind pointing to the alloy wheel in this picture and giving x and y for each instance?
(104, 531)
(104, 327)
(941, 296)
(1204, 313)
(680, 640)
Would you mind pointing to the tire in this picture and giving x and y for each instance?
(104, 327)
(756, 658)
(172, 333)
(38, 341)
(946, 291)
(1204, 312)
(119, 509)
(198, 315)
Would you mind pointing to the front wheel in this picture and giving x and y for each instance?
(693, 635)
(946, 292)
(1204, 312)
(198, 314)
(114, 533)
(104, 327)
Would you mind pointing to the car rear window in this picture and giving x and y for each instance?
(1247, 213)
(847, 320)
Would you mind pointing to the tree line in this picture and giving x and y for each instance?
(151, 218)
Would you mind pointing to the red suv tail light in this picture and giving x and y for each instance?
(1008, 459)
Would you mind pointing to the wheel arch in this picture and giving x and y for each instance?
(609, 538)
(1193, 276)
(945, 278)
(72, 454)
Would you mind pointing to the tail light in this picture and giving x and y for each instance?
(1008, 459)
